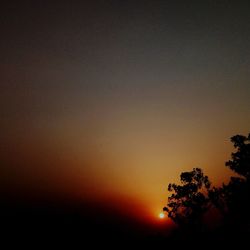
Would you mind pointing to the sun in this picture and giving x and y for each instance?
(161, 215)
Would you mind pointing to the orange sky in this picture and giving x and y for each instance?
(129, 169)
(102, 101)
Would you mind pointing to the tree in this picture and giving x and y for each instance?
(240, 162)
(237, 192)
(189, 201)
(233, 199)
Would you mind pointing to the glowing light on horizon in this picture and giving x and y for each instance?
(161, 215)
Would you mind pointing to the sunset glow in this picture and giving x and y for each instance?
(104, 103)
(161, 215)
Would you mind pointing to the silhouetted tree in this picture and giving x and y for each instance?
(189, 201)
(233, 199)
(240, 162)
(236, 193)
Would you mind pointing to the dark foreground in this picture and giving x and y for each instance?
(40, 224)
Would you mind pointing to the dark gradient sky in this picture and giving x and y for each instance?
(113, 99)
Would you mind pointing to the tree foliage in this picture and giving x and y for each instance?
(236, 193)
(240, 160)
(189, 200)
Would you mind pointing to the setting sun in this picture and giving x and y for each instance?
(161, 215)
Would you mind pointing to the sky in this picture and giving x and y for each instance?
(109, 101)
